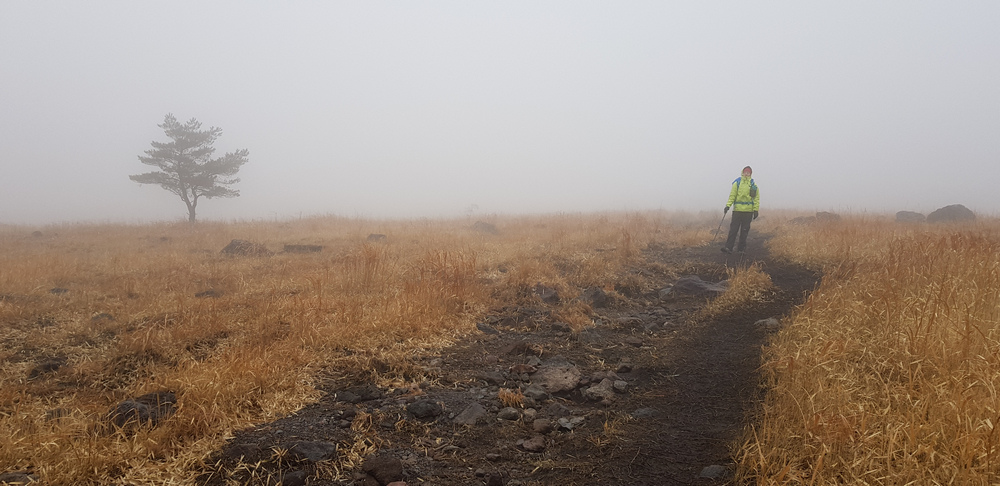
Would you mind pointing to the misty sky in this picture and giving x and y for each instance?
(428, 109)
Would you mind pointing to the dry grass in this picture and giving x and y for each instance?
(128, 322)
(889, 373)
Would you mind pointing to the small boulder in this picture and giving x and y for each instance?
(485, 228)
(956, 213)
(595, 296)
(548, 294)
(377, 238)
(910, 217)
(384, 469)
(424, 409)
(148, 409)
(246, 248)
(557, 375)
(470, 415)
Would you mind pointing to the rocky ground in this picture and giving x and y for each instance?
(648, 395)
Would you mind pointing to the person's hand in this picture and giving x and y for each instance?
(755, 215)
(724, 211)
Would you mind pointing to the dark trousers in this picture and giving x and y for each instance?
(741, 225)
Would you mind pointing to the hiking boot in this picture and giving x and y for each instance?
(726, 250)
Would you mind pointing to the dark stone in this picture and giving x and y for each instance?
(360, 394)
(303, 248)
(294, 478)
(491, 377)
(104, 316)
(58, 291)
(148, 409)
(246, 248)
(956, 213)
(48, 366)
(377, 238)
(548, 294)
(385, 469)
(17, 477)
(208, 293)
(910, 217)
(313, 451)
(595, 296)
(470, 415)
(424, 409)
(485, 228)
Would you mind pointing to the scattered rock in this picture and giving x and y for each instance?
(424, 409)
(570, 423)
(470, 415)
(212, 293)
(485, 228)
(384, 469)
(910, 217)
(303, 248)
(246, 248)
(103, 316)
(294, 478)
(17, 477)
(377, 238)
(602, 392)
(557, 375)
(541, 426)
(48, 366)
(536, 392)
(596, 297)
(534, 444)
(548, 294)
(313, 451)
(146, 410)
(58, 291)
(956, 213)
(509, 413)
(360, 394)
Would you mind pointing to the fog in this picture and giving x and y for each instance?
(445, 108)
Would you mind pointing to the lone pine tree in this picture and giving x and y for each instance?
(186, 166)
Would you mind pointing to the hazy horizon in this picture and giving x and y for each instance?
(439, 109)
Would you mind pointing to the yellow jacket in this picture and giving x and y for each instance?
(739, 196)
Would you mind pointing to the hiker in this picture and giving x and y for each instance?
(744, 198)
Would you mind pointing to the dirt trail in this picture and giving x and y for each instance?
(683, 392)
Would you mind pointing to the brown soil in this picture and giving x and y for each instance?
(691, 390)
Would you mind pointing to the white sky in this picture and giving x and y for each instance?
(423, 109)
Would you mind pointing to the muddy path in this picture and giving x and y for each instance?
(648, 395)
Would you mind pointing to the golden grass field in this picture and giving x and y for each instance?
(127, 321)
(888, 374)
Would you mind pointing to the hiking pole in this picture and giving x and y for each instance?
(719, 229)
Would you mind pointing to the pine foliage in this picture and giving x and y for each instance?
(186, 167)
